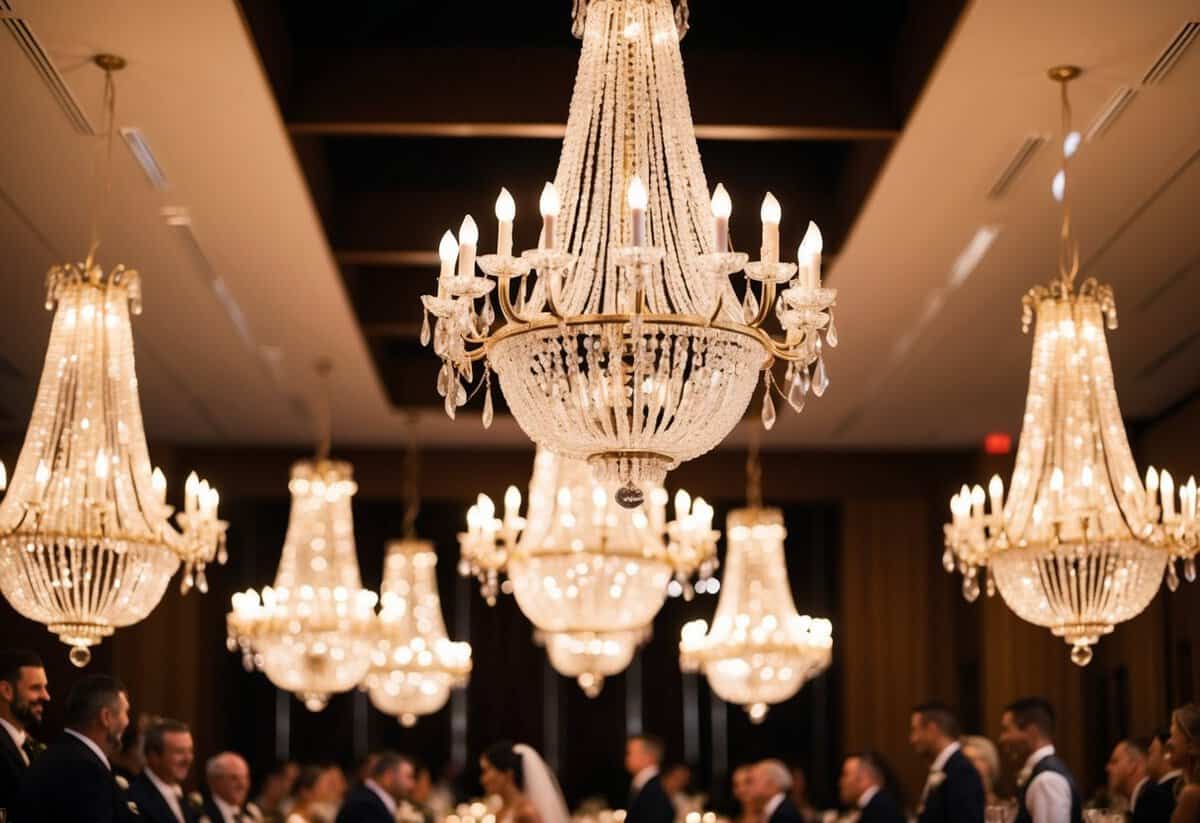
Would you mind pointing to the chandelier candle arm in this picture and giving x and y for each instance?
(628, 351)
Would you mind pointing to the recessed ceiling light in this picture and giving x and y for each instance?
(145, 158)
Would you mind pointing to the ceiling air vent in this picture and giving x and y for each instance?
(1020, 159)
(1104, 118)
(45, 67)
(1169, 56)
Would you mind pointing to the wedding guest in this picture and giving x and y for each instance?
(1047, 792)
(1167, 780)
(648, 801)
(953, 791)
(377, 798)
(276, 787)
(675, 779)
(742, 785)
(24, 693)
(983, 756)
(799, 795)
(305, 798)
(862, 786)
(158, 790)
(1129, 779)
(422, 792)
(73, 779)
(228, 777)
(1184, 748)
(332, 787)
(772, 781)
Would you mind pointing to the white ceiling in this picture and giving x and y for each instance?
(195, 88)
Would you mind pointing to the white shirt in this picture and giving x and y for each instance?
(227, 811)
(387, 799)
(1048, 796)
(867, 796)
(937, 767)
(1137, 792)
(171, 793)
(643, 777)
(1169, 776)
(771, 806)
(91, 744)
(18, 736)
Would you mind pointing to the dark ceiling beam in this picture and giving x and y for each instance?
(805, 90)
(556, 131)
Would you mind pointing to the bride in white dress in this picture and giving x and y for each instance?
(527, 789)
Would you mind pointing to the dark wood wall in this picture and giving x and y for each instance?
(864, 549)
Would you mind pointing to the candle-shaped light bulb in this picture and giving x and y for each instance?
(638, 200)
(473, 523)
(1151, 481)
(41, 475)
(191, 488)
(564, 497)
(506, 211)
(548, 204)
(977, 498)
(1086, 477)
(101, 465)
(1189, 509)
(996, 493)
(771, 215)
(214, 500)
(809, 256)
(1167, 483)
(468, 239)
(158, 482)
(487, 509)
(3, 477)
(683, 504)
(512, 502)
(722, 207)
(599, 498)
(448, 253)
(702, 512)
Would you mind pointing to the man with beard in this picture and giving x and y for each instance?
(72, 781)
(23, 699)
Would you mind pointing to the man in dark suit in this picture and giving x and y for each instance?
(863, 786)
(158, 790)
(648, 802)
(1164, 780)
(772, 780)
(228, 778)
(375, 800)
(1129, 777)
(953, 791)
(23, 698)
(1046, 789)
(72, 781)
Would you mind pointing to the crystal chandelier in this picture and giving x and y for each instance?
(86, 543)
(313, 631)
(629, 347)
(414, 665)
(588, 573)
(759, 651)
(1080, 543)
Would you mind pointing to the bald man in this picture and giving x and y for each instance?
(228, 778)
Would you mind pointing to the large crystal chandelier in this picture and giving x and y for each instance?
(86, 543)
(759, 650)
(588, 573)
(414, 665)
(629, 348)
(313, 631)
(1080, 543)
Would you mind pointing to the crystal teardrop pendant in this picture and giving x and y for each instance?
(796, 394)
(488, 412)
(768, 409)
(461, 396)
(1172, 576)
(1189, 570)
(948, 560)
(820, 379)
(443, 380)
(831, 334)
(750, 304)
(425, 335)
(451, 406)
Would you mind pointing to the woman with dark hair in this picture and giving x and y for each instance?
(527, 789)
(306, 791)
(1184, 746)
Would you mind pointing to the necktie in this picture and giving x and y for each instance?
(29, 748)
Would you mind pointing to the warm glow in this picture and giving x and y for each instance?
(812, 244)
(683, 504)
(637, 194)
(721, 204)
(468, 232)
(512, 500)
(448, 248)
(158, 482)
(3, 477)
(506, 209)
(548, 203)
(770, 211)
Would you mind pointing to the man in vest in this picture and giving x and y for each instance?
(1047, 792)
